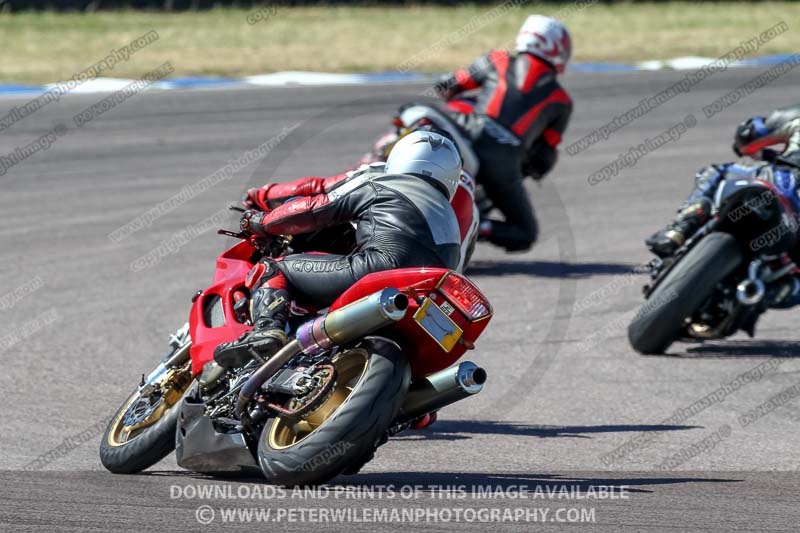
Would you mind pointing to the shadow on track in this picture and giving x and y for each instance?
(546, 483)
(548, 269)
(460, 430)
(742, 349)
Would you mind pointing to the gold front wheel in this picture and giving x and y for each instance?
(142, 432)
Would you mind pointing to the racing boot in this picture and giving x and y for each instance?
(425, 420)
(270, 310)
(664, 243)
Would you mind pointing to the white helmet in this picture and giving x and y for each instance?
(547, 39)
(425, 153)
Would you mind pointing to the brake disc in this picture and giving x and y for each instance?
(301, 406)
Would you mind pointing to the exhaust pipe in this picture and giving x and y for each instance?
(442, 389)
(751, 291)
(352, 321)
(341, 326)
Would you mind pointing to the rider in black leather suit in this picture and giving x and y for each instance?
(402, 218)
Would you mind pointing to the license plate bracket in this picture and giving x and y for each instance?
(438, 325)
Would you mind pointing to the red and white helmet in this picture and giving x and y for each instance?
(547, 39)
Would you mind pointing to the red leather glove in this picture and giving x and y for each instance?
(256, 199)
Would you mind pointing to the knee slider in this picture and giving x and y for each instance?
(263, 273)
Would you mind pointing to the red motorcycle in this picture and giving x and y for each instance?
(376, 362)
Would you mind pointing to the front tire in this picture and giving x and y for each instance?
(347, 427)
(690, 283)
(129, 448)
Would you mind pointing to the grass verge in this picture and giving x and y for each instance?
(46, 47)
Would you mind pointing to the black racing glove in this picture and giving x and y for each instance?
(446, 86)
(539, 160)
(252, 222)
(252, 225)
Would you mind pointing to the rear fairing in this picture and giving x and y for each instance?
(213, 320)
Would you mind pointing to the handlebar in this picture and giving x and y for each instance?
(271, 246)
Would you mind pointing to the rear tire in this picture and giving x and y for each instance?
(690, 283)
(350, 432)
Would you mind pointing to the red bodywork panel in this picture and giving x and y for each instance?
(232, 268)
(424, 353)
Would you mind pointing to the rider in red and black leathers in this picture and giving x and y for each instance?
(521, 113)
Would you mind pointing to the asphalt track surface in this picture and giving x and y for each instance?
(564, 390)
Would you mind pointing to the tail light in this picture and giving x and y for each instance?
(460, 292)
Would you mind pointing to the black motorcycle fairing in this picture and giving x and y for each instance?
(751, 209)
(201, 448)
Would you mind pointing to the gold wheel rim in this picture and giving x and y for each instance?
(351, 366)
(175, 383)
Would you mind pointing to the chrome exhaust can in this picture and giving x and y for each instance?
(442, 388)
(352, 321)
(751, 291)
